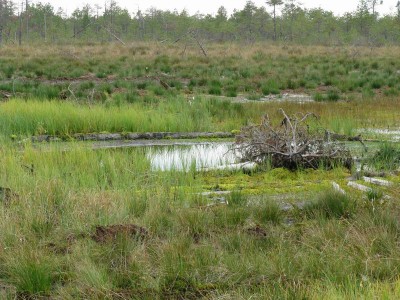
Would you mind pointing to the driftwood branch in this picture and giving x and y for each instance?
(290, 144)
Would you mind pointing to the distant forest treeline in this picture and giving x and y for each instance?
(33, 23)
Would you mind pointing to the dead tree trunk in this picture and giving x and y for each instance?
(290, 144)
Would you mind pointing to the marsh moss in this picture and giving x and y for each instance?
(275, 181)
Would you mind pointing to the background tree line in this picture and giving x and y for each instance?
(279, 20)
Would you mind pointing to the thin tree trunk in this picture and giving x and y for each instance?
(45, 28)
(27, 19)
(274, 23)
(1, 22)
(20, 28)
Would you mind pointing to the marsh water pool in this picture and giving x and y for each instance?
(165, 155)
(185, 155)
(196, 156)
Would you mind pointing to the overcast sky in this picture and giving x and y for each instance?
(211, 7)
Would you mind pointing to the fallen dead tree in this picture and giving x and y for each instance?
(290, 144)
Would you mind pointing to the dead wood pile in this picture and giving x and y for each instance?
(291, 144)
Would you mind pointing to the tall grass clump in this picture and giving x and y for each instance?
(333, 95)
(215, 88)
(268, 211)
(236, 198)
(342, 125)
(91, 275)
(387, 157)
(30, 274)
(231, 91)
(270, 87)
(374, 194)
(331, 204)
(318, 97)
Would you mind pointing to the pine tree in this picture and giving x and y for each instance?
(274, 4)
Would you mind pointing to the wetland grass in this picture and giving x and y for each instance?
(332, 204)
(332, 247)
(387, 157)
(64, 118)
(236, 250)
(260, 69)
(175, 114)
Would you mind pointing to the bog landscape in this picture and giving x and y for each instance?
(166, 156)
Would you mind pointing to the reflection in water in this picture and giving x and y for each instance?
(207, 155)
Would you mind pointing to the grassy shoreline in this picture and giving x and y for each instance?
(35, 117)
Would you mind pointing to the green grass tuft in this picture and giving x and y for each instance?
(332, 204)
(31, 275)
(387, 157)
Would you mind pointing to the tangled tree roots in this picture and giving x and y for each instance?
(291, 144)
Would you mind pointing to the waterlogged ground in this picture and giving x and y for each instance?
(83, 223)
(281, 97)
(161, 219)
(183, 155)
(170, 154)
(217, 161)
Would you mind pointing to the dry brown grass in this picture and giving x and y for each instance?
(151, 49)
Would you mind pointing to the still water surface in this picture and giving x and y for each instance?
(199, 156)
